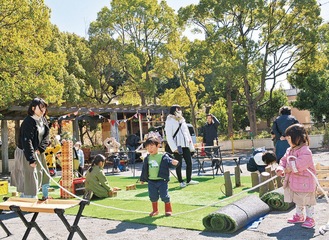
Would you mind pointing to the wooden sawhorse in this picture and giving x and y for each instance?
(58, 206)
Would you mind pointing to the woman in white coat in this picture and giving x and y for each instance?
(180, 143)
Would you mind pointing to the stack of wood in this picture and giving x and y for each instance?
(67, 169)
(322, 173)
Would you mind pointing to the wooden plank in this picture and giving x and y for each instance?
(322, 171)
(324, 182)
(318, 166)
(35, 205)
(322, 176)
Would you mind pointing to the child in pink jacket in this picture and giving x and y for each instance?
(299, 184)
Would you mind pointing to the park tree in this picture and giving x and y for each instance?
(105, 74)
(28, 64)
(142, 27)
(186, 61)
(77, 59)
(266, 38)
(310, 77)
(272, 105)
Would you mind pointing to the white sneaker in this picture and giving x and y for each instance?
(182, 184)
(192, 182)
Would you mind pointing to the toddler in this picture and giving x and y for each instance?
(155, 171)
(299, 184)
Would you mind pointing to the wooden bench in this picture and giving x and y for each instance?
(322, 173)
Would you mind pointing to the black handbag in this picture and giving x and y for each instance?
(167, 148)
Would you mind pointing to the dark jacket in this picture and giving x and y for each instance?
(279, 127)
(166, 163)
(132, 140)
(210, 132)
(29, 138)
(281, 123)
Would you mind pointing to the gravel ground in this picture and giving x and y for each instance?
(273, 226)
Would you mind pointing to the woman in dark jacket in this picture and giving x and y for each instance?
(279, 127)
(28, 175)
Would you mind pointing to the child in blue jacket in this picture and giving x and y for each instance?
(156, 172)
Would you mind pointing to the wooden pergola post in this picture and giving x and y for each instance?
(4, 146)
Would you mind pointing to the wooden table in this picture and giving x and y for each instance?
(58, 206)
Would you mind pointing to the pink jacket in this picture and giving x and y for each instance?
(302, 180)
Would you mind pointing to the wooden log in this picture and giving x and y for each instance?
(272, 184)
(228, 184)
(237, 177)
(264, 188)
(279, 182)
(254, 180)
(131, 187)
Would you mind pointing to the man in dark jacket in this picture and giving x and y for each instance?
(210, 130)
(132, 142)
(210, 136)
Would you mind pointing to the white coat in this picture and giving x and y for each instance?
(183, 137)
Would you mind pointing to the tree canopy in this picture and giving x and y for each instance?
(136, 54)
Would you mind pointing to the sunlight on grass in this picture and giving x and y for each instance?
(190, 205)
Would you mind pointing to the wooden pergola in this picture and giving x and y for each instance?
(18, 113)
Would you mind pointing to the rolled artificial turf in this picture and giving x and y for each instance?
(275, 200)
(236, 215)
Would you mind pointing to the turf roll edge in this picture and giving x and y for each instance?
(236, 215)
(275, 199)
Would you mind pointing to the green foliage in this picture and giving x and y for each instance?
(272, 104)
(141, 28)
(251, 38)
(263, 134)
(28, 64)
(313, 94)
(325, 142)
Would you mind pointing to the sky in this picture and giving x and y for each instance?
(74, 16)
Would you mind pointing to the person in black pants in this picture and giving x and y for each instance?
(180, 143)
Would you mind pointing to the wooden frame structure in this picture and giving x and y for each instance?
(18, 113)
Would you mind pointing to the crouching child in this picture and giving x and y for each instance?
(260, 161)
(156, 173)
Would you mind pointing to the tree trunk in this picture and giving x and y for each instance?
(251, 109)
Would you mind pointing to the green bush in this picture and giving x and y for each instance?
(325, 142)
(11, 151)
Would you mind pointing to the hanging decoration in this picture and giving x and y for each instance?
(63, 120)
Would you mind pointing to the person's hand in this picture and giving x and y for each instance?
(279, 173)
(142, 182)
(288, 169)
(33, 164)
(282, 138)
(175, 162)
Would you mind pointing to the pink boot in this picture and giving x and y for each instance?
(296, 219)
(309, 223)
